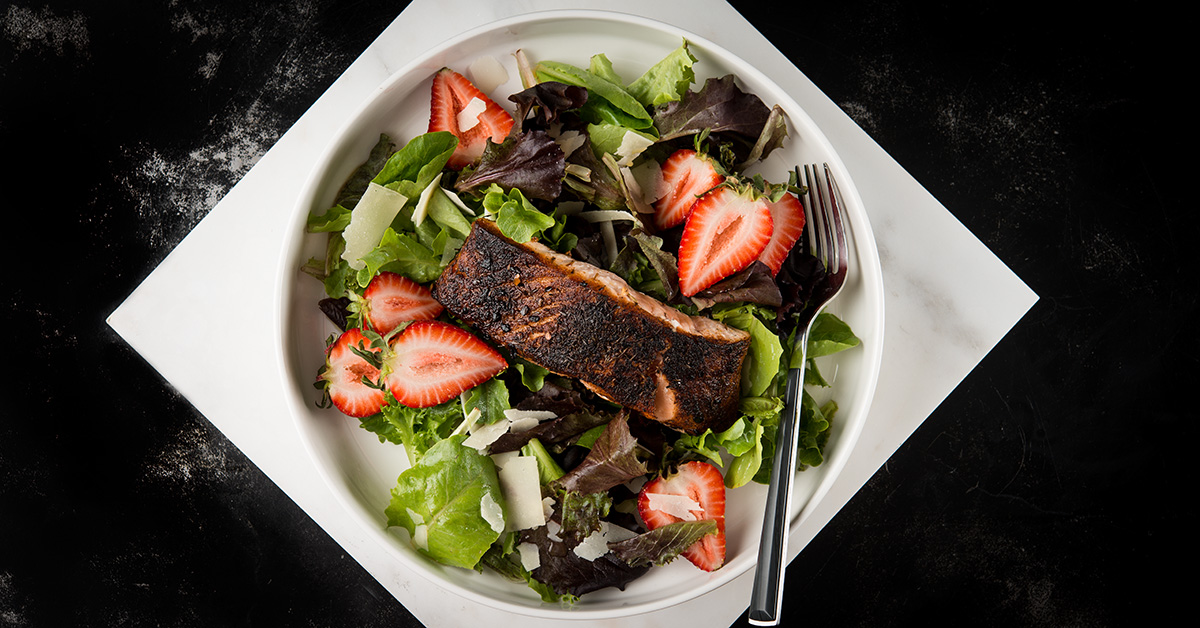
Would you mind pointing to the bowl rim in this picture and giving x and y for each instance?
(864, 243)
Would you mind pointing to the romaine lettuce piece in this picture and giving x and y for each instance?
(667, 81)
(441, 502)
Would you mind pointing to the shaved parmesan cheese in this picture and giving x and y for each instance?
(368, 220)
(487, 73)
(458, 201)
(517, 426)
(422, 207)
(415, 516)
(592, 547)
(634, 191)
(632, 145)
(596, 543)
(469, 116)
(530, 559)
(538, 415)
(420, 537)
(548, 507)
(606, 215)
(649, 178)
(552, 530)
(570, 141)
(470, 421)
(491, 512)
(504, 458)
(485, 435)
(615, 533)
(678, 506)
(522, 490)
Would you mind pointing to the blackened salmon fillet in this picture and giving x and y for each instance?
(584, 322)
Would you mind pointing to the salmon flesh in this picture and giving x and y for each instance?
(583, 322)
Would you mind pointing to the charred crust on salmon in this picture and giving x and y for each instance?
(584, 322)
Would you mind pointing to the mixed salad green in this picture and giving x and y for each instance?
(574, 173)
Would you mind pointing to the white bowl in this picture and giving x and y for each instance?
(361, 471)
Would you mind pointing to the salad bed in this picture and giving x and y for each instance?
(616, 492)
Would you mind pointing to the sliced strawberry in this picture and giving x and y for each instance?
(726, 231)
(702, 483)
(343, 375)
(788, 217)
(391, 299)
(452, 93)
(433, 362)
(686, 175)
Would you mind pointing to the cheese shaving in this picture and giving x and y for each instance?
(678, 506)
(420, 536)
(487, 73)
(468, 118)
(540, 415)
(605, 215)
(491, 512)
(570, 141)
(530, 558)
(422, 208)
(522, 489)
(632, 145)
(485, 435)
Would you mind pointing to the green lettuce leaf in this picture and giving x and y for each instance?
(607, 101)
(517, 218)
(401, 254)
(667, 81)
(761, 367)
(418, 429)
(491, 397)
(445, 490)
(422, 159)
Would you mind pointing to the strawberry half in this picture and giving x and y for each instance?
(432, 362)
(343, 375)
(453, 93)
(726, 231)
(788, 217)
(686, 175)
(391, 299)
(702, 483)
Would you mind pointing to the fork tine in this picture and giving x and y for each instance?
(819, 219)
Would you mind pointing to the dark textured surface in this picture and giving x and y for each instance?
(1054, 487)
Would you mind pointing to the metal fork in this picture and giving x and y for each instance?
(827, 232)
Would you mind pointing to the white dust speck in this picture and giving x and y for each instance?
(29, 30)
(195, 454)
(212, 61)
(11, 614)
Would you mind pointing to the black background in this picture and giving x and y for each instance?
(1054, 487)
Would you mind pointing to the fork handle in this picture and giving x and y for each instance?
(767, 599)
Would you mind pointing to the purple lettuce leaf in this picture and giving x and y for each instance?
(662, 545)
(567, 573)
(614, 459)
(548, 99)
(531, 162)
